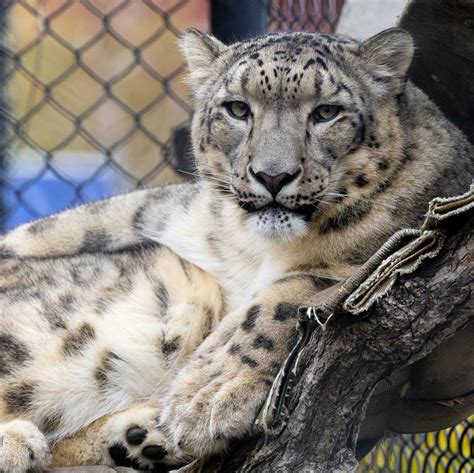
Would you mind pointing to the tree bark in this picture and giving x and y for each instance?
(343, 364)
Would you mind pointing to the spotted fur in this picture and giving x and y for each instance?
(177, 305)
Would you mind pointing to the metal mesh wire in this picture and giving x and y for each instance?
(445, 451)
(95, 91)
(95, 94)
(309, 15)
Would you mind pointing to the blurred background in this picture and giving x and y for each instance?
(94, 104)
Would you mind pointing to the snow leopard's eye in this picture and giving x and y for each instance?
(236, 109)
(324, 113)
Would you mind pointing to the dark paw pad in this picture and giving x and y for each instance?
(136, 435)
(154, 452)
(119, 455)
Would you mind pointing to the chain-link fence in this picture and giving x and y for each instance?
(95, 91)
(447, 451)
(96, 97)
(308, 15)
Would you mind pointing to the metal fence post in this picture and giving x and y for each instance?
(235, 20)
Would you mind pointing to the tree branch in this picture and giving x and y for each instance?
(344, 363)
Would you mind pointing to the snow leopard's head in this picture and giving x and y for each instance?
(294, 125)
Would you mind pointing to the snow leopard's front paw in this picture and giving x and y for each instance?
(136, 440)
(215, 399)
(23, 448)
(217, 394)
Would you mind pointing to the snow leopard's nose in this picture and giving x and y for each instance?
(274, 184)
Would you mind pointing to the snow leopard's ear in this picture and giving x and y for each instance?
(200, 50)
(388, 55)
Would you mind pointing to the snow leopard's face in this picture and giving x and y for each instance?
(293, 125)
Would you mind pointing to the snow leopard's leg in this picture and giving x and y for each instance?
(219, 391)
(103, 226)
(23, 448)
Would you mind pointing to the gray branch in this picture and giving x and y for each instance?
(344, 363)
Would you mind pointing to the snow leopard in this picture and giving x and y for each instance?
(148, 328)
